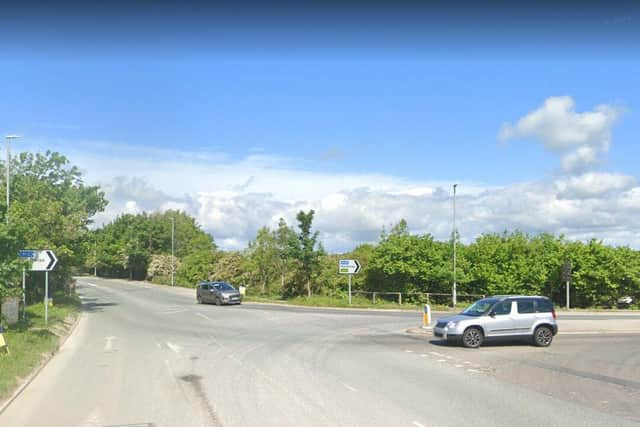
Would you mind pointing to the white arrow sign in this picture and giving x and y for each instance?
(44, 261)
(349, 266)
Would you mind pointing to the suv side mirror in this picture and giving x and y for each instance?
(492, 313)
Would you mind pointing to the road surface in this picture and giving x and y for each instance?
(150, 356)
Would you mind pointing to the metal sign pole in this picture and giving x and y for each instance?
(350, 288)
(46, 297)
(24, 294)
(567, 294)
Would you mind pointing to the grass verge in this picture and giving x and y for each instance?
(31, 341)
(342, 302)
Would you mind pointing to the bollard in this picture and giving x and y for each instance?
(3, 343)
(426, 316)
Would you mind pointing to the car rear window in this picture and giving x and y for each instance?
(544, 306)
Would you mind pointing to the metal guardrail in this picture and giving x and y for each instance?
(426, 296)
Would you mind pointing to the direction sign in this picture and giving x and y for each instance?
(27, 254)
(44, 261)
(349, 266)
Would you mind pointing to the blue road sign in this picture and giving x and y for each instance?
(28, 254)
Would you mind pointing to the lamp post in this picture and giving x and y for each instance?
(173, 232)
(8, 139)
(455, 237)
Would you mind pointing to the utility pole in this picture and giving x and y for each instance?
(455, 237)
(173, 232)
(8, 139)
(95, 258)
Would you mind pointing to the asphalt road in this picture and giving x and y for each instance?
(147, 355)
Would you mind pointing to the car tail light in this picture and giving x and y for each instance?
(553, 312)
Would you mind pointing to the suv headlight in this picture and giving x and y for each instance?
(452, 324)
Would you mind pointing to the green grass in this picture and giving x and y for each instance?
(342, 302)
(30, 341)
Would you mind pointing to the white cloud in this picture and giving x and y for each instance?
(232, 199)
(580, 138)
(594, 185)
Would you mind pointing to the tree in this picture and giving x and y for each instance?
(308, 250)
(286, 242)
(126, 245)
(263, 257)
(51, 208)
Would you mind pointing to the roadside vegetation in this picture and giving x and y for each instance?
(31, 341)
(289, 263)
(52, 208)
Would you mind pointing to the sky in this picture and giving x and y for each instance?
(241, 116)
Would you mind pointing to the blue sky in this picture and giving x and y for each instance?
(402, 110)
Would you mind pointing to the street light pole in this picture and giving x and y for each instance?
(455, 237)
(8, 139)
(173, 232)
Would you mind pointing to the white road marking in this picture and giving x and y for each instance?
(348, 387)
(173, 311)
(203, 316)
(442, 360)
(423, 355)
(473, 370)
(174, 347)
(466, 362)
(417, 424)
(108, 343)
(408, 351)
(459, 366)
(93, 285)
(436, 354)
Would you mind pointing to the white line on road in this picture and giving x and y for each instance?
(173, 311)
(348, 387)
(174, 347)
(423, 355)
(108, 344)
(436, 354)
(204, 316)
(417, 424)
(409, 351)
(442, 360)
(473, 370)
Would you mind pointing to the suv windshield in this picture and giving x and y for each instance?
(224, 287)
(480, 307)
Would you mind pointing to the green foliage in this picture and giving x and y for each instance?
(307, 251)
(263, 258)
(51, 208)
(196, 267)
(125, 247)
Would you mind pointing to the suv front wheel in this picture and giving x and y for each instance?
(472, 337)
(543, 336)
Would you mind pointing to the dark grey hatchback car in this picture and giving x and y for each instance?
(218, 293)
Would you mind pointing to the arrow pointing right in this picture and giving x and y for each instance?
(52, 260)
(357, 266)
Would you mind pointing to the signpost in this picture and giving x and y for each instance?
(350, 267)
(41, 260)
(566, 277)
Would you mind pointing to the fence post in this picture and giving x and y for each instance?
(400, 298)
(374, 297)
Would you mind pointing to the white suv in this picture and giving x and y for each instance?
(503, 316)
